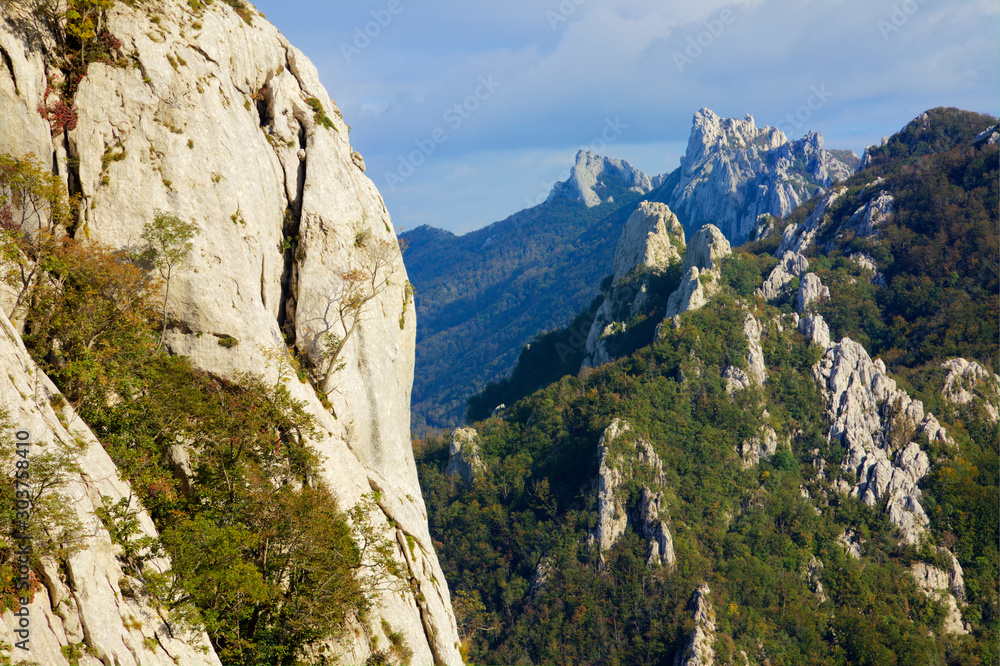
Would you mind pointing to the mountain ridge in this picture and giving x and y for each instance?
(456, 275)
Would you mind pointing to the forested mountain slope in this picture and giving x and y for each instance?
(799, 463)
(483, 295)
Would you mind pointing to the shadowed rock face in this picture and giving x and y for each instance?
(228, 125)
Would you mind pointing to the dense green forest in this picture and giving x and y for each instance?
(767, 538)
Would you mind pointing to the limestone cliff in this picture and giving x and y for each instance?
(83, 603)
(214, 117)
(626, 460)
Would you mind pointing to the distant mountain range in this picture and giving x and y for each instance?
(481, 296)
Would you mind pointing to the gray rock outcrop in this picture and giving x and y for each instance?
(946, 587)
(989, 136)
(702, 270)
(875, 421)
(811, 290)
(764, 444)
(792, 265)
(867, 262)
(463, 455)
(620, 462)
(85, 597)
(968, 382)
(798, 237)
(227, 124)
(866, 219)
(733, 172)
(592, 172)
(652, 240)
(700, 650)
(816, 330)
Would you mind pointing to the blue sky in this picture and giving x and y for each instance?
(467, 112)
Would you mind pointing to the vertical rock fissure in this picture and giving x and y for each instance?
(73, 183)
(291, 251)
(10, 69)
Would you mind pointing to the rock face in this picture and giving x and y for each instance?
(815, 328)
(875, 421)
(988, 136)
(967, 382)
(700, 650)
(463, 455)
(811, 290)
(948, 588)
(762, 445)
(86, 598)
(592, 174)
(797, 237)
(620, 462)
(792, 265)
(228, 125)
(734, 172)
(865, 221)
(652, 240)
(701, 271)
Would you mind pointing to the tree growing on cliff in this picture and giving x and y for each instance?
(169, 245)
(32, 207)
(344, 307)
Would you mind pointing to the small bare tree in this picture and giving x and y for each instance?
(168, 240)
(379, 262)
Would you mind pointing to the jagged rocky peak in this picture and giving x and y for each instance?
(711, 134)
(700, 649)
(876, 422)
(733, 172)
(653, 238)
(701, 271)
(592, 174)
